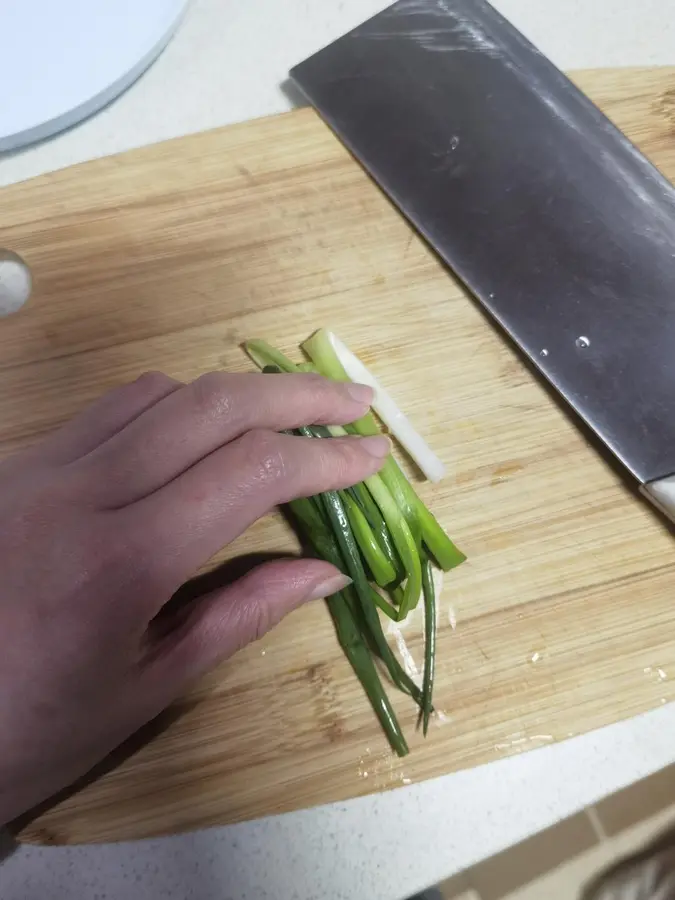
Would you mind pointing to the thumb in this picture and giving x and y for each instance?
(228, 619)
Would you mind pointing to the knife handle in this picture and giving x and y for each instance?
(662, 494)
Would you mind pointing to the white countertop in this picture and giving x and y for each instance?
(402, 841)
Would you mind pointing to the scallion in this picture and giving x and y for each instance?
(379, 528)
(325, 348)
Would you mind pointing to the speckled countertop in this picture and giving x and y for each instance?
(387, 846)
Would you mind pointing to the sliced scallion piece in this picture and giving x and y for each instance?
(403, 540)
(358, 654)
(324, 347)
(308, 513)
(370, 509)
(381, 568)
(429, 592)
(419, 518)
(264, 354)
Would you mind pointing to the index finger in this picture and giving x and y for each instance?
(196, 420)
(184, 524)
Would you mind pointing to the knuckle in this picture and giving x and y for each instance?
(339, 457)
(258, 619)
(317, 383)
(135, 551)
(153, 383)
(263, 451)
(324, 391)
(111, 546)
(211, 395)
(333, 464)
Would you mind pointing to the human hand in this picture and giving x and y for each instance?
(102, 523)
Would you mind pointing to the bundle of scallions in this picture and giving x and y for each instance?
(379, 533)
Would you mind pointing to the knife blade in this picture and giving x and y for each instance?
(551, 217)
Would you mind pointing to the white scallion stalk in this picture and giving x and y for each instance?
(383, 404)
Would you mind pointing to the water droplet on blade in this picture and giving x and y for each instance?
(583, 342)
(543, 352)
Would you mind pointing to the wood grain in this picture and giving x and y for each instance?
(167, 258)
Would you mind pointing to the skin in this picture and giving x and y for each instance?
(100, 525)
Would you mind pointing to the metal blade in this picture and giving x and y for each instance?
(551, 217)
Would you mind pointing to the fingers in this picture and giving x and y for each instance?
(191, 423)
(183, 525)
(104, 418)
(228, 619)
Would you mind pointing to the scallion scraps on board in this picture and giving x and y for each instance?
(379, 533)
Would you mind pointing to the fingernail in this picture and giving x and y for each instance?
(330, 586)
(361, 393)
(378, 446)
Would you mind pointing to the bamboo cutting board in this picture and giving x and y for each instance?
(562, 619)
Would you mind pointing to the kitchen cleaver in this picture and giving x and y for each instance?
(563, 231)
